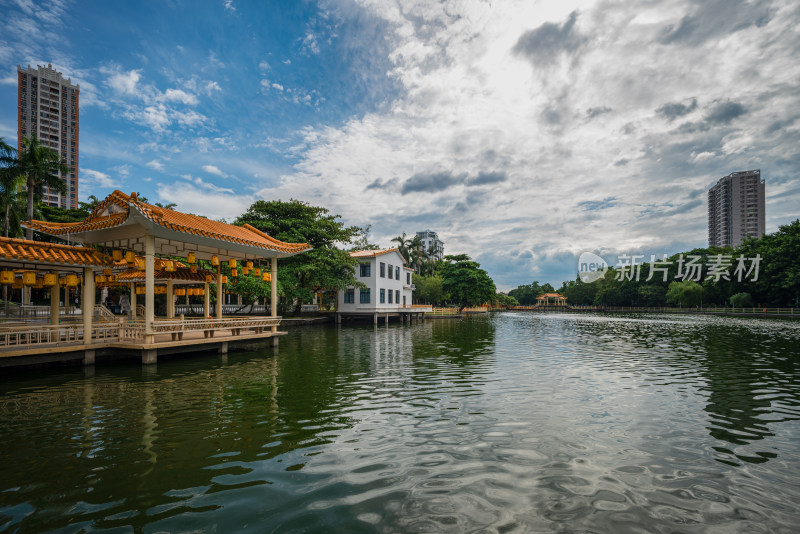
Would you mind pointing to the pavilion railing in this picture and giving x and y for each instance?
(40, 334)
(135, 330)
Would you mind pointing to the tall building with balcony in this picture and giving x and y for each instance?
(48, 108)
(736, 209)
(431, 243)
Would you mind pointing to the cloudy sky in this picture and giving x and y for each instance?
(523, 132)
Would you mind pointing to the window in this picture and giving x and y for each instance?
(364, 296)
(383, 296)
(397, 273)
(390, 296)
(397, 296)
(350, 296)
(390, 271)
(383, 270)
(408, 279)
(365, 270)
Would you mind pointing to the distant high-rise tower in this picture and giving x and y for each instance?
(48, 108)
(431, 244)
(736, 209)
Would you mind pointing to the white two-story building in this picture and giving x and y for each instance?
(388, 290)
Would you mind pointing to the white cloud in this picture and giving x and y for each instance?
(229, 5)
(93, 181)
(155, 164)
(205, 199)
(179, 95)
(504, 90)
(212, 87)
(124, 82)
(213, 169)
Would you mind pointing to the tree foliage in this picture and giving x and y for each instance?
(466, 283)
(684, 293)
(325, 267)
(41, 166)
(429, 289)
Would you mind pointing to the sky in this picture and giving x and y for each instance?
(524, 133)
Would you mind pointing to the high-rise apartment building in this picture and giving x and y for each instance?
(736, 209)
(48, 108)
(431, 243)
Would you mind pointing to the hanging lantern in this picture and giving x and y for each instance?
(209, 279)
(215, 261)
(39, 284)
(140, 264)
(100, 279)
(111, 278)
(191, 258)
(224, 279)
(117, 255)
(29, 278)
(72, 280)
(107, 272)
(232, 263)
(245, 271)
(130, 257)
(199, 291)
(234, 273)
(140, 290)
(257, 271)
(180, 292)
(169, 266)
(193, 269)
(50, 279)
(266, 277)
(249, 264)
(62, 281)
(7, 277)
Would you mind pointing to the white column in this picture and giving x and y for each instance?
(273, 297)
(170, 299)
(206, 301)
(54, 311)
(219, 293)
(133, 300)
(88, 304)
(149, 286)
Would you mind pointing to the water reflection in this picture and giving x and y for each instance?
(514, 423)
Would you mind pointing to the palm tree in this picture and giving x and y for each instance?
(170, 206)
(402, 246)
(40, 165)
(10, 182)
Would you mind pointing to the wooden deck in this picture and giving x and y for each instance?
(31, 343)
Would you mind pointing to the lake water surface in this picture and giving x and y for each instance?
(512, 423)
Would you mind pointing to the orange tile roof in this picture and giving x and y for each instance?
(55, 253)
(551, 295)
(171, 219)
(371, 253)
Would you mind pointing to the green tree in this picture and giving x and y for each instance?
(361, 242)
(40, 165)
(741, 300)
(325, 267)
(685, 293)
(466, 282)
(526, 294)
(429, 289)
(505, 300)
(10, 182)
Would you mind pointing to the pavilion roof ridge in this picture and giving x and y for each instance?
(102, 217)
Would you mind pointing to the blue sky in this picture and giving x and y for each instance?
(523, 132)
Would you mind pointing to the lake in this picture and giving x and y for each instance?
(516, 422)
